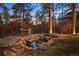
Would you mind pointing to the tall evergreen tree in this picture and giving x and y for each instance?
(50, 18)
(47, 8)
(23, 9)
(74, 17)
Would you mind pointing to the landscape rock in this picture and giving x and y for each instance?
(24, 45)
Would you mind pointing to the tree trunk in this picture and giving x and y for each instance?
(53, 20)
(50, 18)
(62, 16)
(23, 12)
(74, 17)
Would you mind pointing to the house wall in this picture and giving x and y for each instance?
(67, 27)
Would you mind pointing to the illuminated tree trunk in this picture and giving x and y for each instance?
(74, 17)
(53, 20)
(62, 16)
(50, 18)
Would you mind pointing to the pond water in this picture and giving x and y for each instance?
(38, 43)
(37, 46)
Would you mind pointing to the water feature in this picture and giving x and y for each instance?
(37, 45)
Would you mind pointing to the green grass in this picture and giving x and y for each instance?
(72, 42)
(4, 40)
(69, 46)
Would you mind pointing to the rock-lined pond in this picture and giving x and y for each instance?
(40, 45)
(19, 45)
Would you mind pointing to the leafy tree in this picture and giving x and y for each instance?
(5, 9)
(6, 15)
(23, 9)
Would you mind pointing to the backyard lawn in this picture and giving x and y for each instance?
(69, 45)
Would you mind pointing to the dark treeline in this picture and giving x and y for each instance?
(47, 18)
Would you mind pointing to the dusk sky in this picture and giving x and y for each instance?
(9, 5)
